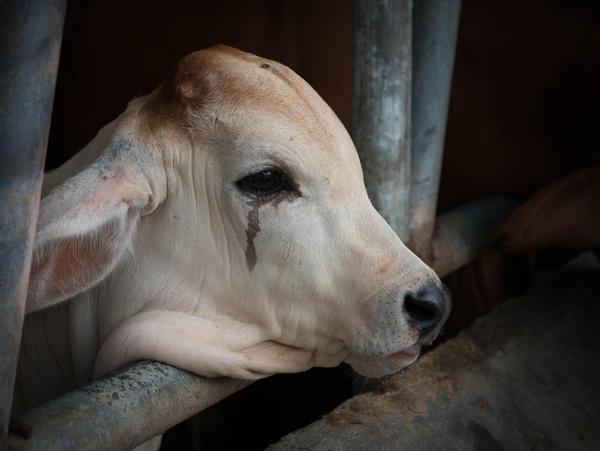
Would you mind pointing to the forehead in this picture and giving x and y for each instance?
(226, 79)
(258, 99)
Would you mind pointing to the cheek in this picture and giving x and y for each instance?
(290, 243)
(297, 234)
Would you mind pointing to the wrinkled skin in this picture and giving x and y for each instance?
(164, 257)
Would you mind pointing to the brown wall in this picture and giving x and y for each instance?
(525, 95)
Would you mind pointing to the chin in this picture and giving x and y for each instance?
(384, 366)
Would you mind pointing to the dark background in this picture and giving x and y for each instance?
(523, 113)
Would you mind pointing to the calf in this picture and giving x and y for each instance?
(220, 225)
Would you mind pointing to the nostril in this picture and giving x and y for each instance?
(420, 310)
(422, 314)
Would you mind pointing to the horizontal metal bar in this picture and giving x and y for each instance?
(120, 411)
(146, 398)
(463, 234)
(30, 38)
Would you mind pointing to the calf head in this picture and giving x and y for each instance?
(254, 248)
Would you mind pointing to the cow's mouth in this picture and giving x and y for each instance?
(383, 366)
(410, 353)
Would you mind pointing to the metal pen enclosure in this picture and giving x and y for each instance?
(402, 68)
(381, 96)
(434, 43)
(30, 40)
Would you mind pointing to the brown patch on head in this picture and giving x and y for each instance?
(185, 86)
(192, 83)
(221, 76)
(216, 71)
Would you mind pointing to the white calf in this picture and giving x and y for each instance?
(221, 225)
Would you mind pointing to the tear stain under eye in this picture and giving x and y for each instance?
(251, 231)
(289, 197)
(253, 226)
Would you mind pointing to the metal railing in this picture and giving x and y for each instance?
(399, 51)
(30, 38)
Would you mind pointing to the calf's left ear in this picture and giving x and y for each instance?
(84, 228)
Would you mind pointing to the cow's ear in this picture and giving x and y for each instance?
(84, 229)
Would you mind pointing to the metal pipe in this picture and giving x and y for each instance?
(381, 86)
(120, 411)
(434, 43)
(30, 38)
(463, 234)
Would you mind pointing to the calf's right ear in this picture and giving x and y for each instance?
(84, 229)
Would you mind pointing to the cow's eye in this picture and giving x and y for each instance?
(264, 183)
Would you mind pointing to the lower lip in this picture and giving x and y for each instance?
(411, 352)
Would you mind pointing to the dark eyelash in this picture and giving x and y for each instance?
(265, 183)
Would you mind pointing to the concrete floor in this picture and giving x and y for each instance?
(525, 377)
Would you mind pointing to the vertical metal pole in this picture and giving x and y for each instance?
(30, 38)
(381, 64)
(434, 43)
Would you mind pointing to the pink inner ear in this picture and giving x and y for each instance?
(66, 267)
